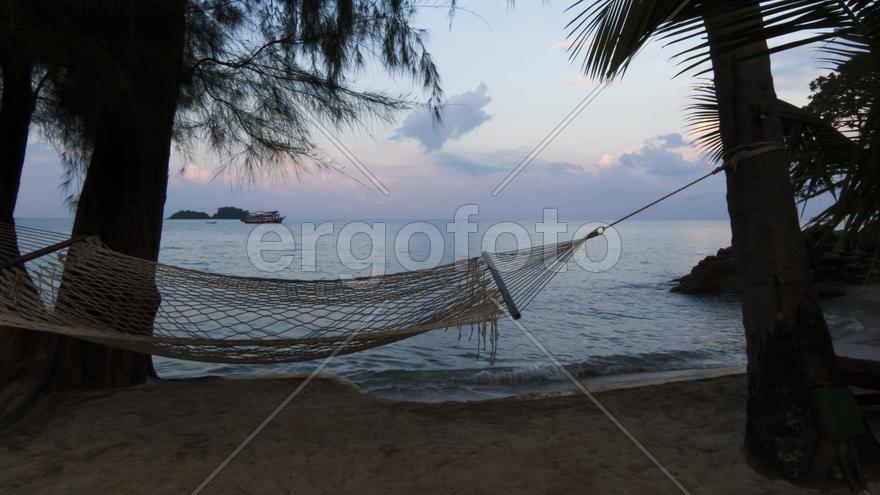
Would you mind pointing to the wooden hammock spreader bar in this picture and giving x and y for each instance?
(508, 301)
(42, 251)
(226, 319)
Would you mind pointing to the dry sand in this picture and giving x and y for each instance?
(167, 436)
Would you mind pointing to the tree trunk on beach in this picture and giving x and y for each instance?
(23, 369)
(16, 108)
(123, 195)
(788, 344)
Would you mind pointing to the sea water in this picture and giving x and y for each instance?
(618, 319)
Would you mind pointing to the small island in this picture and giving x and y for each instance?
(223, 213)
(189, 215)
(230, 213)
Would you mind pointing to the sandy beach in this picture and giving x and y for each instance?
(405, 247)
(168, 436)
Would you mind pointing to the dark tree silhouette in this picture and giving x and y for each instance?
(788, 345)
(834, 142)
(21, 83)
(246, 77)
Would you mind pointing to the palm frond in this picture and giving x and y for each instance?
(702, 121)
(608, 33)
(834, 151)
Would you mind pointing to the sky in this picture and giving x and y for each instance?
(508, 83)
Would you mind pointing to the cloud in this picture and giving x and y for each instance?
(567, 44)
(794, 69)
(673, 140)
(606, 187)
(461, 114)
(561, 168)
(193, 173)
(433, 186)
(486, 163)
(656, 157)
(605, 160)
(578, 81)
(466, 165)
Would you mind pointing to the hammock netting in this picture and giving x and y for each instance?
(88, 291)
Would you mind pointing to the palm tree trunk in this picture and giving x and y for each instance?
(788, 344)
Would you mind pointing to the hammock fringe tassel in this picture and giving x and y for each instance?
(83, 289)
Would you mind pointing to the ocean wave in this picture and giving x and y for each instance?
(544, 374)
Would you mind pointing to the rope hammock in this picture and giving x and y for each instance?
(80, 288)
(88, 291)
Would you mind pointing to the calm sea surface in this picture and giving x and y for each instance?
(620, 321)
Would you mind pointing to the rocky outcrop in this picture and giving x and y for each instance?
(712, 275)
(832, 267)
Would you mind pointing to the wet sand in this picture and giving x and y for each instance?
(167, 436)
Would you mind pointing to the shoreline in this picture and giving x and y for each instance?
(601, 383)
(170, 435)
(852, 317)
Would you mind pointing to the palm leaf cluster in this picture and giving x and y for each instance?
(832, 141)
(834, 148)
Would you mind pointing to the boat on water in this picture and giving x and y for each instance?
(263, 217)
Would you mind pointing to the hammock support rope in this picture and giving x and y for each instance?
(80, 288)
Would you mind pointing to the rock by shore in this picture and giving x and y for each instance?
(832, 267)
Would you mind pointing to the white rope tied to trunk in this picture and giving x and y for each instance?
(89, 291)
(83, 289)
